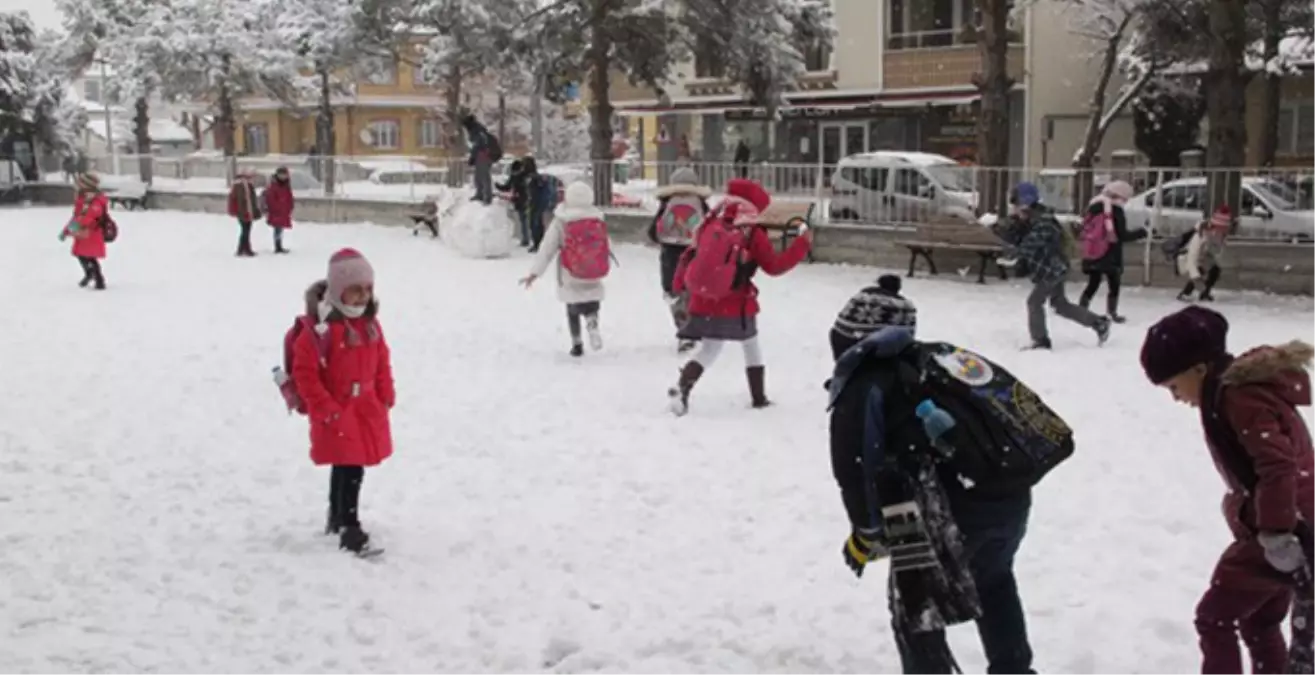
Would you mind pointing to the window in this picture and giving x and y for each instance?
(707, 59)
(386, 134)
(911, 182)
(1185, 197)
(91, 91)
(868, 178)
(255, 139)
(379, 71)
(430, 133)
(418, 77)
(917, 24)
(1296, 129)
(817, 58)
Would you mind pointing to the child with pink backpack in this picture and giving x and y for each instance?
(578, 239)
(729, 248)
(1104, 232)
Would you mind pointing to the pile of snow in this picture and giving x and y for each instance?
(477, 230)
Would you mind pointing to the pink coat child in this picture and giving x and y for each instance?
(87, 228)
(349, 392)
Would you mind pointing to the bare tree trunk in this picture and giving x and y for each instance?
(227, 125)
(324, 134)
(600, 128)
(994, 83)
(142, 131)
(1271, 97)
(457, 156)
(1225, 86)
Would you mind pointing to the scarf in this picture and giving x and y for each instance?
(930, 584)
(330, 310)
(1239, 464)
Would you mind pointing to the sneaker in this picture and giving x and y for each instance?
(1103, 331)
(676, 403)
(1038, 344)
(1118, 319)
(577, 350)
(1206, 297)
(1183, 297)
(595, 337)
(86, 281)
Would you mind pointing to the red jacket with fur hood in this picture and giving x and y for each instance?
(1261, 445)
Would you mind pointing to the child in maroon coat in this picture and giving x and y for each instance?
(279, 204)
(1262, 449)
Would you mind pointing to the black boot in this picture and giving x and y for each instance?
(758, 385)
(354, 539)
(577, 350)
(1039, 344)
(678, 396)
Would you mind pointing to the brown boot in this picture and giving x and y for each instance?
(758, 385)
(678, 396)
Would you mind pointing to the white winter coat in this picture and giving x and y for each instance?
(1204, 250)
(578, 203)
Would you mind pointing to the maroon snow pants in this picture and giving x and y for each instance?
(1247, 598)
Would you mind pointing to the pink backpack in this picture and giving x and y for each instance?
(586, 252)
(678, 222)
(288, 387)
(1097, 234)
(720, 249)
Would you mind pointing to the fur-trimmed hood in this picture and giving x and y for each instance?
(1282, 367)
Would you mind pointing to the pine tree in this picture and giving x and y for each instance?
(33, 105)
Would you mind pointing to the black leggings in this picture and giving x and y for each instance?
(345, 494)
(574, 311)
(1093, 284)
(91, 270)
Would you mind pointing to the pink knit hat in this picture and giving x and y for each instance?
(348, 268)
(1222, 218)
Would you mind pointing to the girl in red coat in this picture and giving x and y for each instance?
(1262, 449)
(87, 227)
(348, 391)
(279, 204)
(733, 317)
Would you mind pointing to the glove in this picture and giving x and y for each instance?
(862, 547)
(1282, 551)
(1007, 262)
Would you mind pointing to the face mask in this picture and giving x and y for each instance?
(351, 311)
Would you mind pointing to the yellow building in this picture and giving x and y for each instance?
(394, 112)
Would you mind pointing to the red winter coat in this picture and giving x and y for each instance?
(243, 203)
(279, 204)
(743, 301)
(1262, 449)
(89, 209)
(347, 401)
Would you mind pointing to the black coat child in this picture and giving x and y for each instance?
(1112, 261)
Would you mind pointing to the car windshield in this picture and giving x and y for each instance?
(952, 177)
(1281, 196)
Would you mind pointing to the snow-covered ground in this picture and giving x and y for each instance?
(160, 513)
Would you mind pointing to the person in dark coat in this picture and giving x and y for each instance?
(244, 205)
(871, 341)
(742, 157)
(519, 189)
(1038, 246)
(1261, 446)
(1110, 265)
(484, 151)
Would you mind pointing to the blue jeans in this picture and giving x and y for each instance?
(993, 529)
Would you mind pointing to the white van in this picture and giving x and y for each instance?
(901, 187)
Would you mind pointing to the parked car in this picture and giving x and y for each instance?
(901, 187)
(1270, 209)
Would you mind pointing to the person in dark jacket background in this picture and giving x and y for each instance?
(871, 341)
(1262, 449)
(516, 185)
(1039, 248)
(484, 151)
(1110, 266)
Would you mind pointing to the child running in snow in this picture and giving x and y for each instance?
(682, 205)
(577, 238)
(87, 228)
(1261, 446)
(343, 373)
(1203, 253)
(724, 307)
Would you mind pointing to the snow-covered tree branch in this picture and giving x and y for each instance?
(33, 84)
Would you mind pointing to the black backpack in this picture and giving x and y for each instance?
(1006, 439)
(1173, 247)
(495, 147)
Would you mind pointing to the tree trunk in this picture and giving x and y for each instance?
(1225, 86)
(457, 156)
(227, 123)
(994, 83)
(142, 131)
(325, 142)
(600, 127)
(1271, 96)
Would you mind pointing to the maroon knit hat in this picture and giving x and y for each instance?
(1184, 339)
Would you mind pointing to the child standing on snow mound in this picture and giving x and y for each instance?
(279, 204)
(89, 227)
(578, 239)
(718, 270)
(682, 205)
(343, 376)
(1260, 444)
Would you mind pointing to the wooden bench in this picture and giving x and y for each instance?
(785, 219)
(128, 195)
(954, 235)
